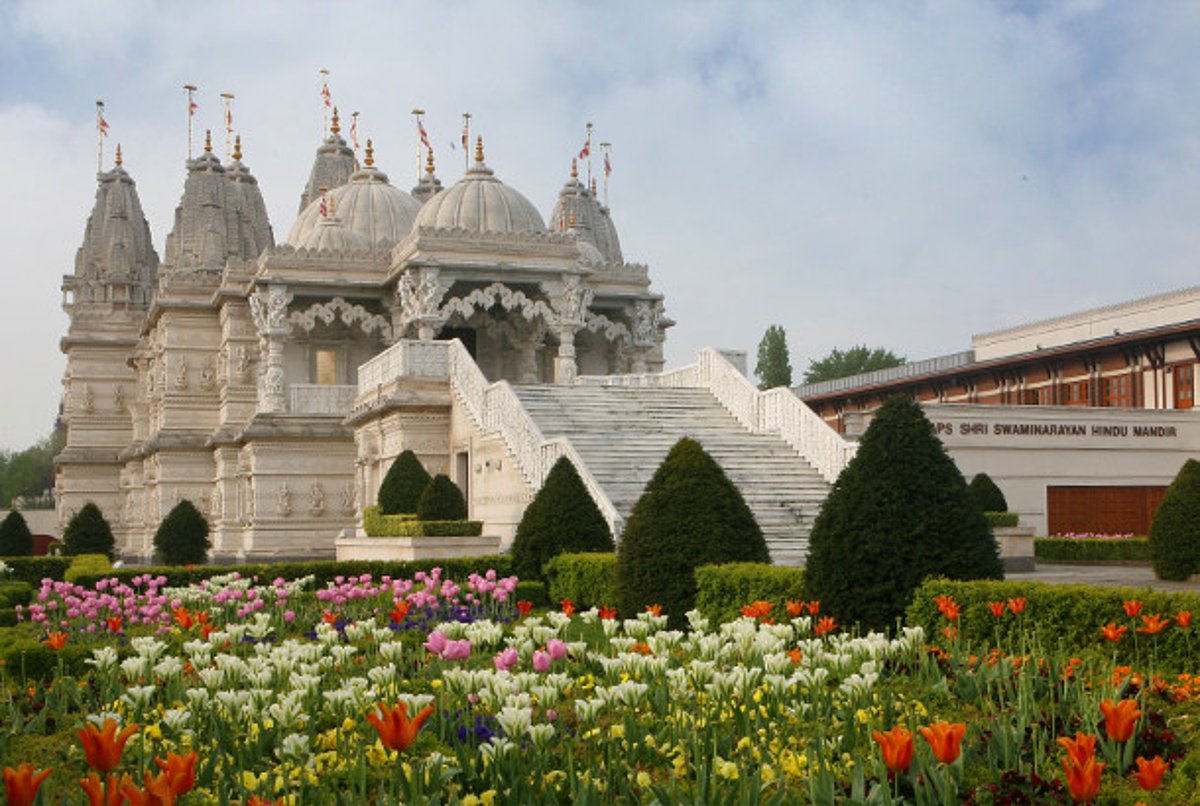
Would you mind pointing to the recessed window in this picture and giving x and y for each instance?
(326, 367)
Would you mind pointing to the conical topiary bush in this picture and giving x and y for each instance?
(898, 513)
(182, 537)
(88, 533)
(403, 485)
(15, 538)
(690, 515)
(987, 494)
(442, 501)
(562, 517)
(1175, 531)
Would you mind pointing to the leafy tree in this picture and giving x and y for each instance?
(29, 472)
(442, 501)
(987, 494)
(839, 364)
(15, 538)
(898, 513)
(690, 515)
(1175, 531)
(182, 537)
(401, 489)
(774, 367)
(88, 533)
(562, 517)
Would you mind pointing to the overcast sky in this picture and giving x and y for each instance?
(898, 174)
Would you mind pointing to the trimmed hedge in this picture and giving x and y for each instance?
(987, 494)
(27, 659)
(15, 538)
(1066, 615)
(561, 518)
(588, 579)
(442, 501)
(1175, 531)
(401, 488)
(532, 591)
(376, 524)
(722, 590)
(182, 537)
(1071, 550)
(15, 592)
(34, 569)
(87, 565)
(1002, 520)
(324, 571)
(88, 533)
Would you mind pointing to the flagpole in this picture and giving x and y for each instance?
(466, 142)
(191, 88)
(100, 136)
(354, 136)
(228, 96)
(417, 116)
(325, 95)
(589, 155)
(607, 168)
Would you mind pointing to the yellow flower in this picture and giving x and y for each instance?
(617, 731)
(767, 773)
(249, 781)
(726, 769)
(862, 716)
(470, 800)
(348, 724)
(643, 779)
(743, 743)
(154, 732)
(488, 798)
(681, 766)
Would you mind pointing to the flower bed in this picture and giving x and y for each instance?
(407, 690)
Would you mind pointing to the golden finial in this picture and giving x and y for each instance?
(237, 148)
(208, 140)
(571, 219)
(118, 155)
(332, 204)
(336, 127)
(479, 149)
(593, 186)
(574, 169)
(429, 161)
(370, 160)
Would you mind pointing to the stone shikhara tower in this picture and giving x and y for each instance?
(227, 375)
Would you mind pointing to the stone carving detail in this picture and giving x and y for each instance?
(337, 308)
(243, 363)
(269, 309)
(208, 375)
(419, 299)
(87, 400)
(573, 303)
(613, 331)
(119, 397)
(181, 373)
(316, 499)
(215, 504)
(349, 499)
(497, 294)
(283, 501)
(647, 316)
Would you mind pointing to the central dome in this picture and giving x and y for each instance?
(479, 202)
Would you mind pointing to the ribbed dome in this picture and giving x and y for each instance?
(480, 202)
(577, 207)
(330, 235)
(369, 207)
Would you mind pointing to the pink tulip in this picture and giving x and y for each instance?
(506, 660)
(556, 648)
(541, 661)
(436, 642)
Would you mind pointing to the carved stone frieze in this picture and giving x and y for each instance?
(338, 309)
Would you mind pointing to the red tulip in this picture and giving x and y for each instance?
(1150, 772)
(399, 611)
(396, 730)
(608, 613)
(1017, 605)
(1184, 619)
(21, 785)
(826, 624)
(104, 794)
(1079, 749)
(1083, 778)
(794, 608)
(897, 747)
(654, 609)
(180, 771)
(56, 640)
(945, 739)
(1120, 719)
(1132, 607)
(1153, 624)
(568, 607)
(102, 747)
(997, 608)
(1112, 632)
(524, 607)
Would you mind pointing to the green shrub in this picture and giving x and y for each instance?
(87, 565)
(403, 485)
(27, 659)
(1130, 549)
(182, 537)
(1175, 531)
(722, 590)
(34, 569)
(88, 533)
(15, 592)
(898, 513)
(8, 617)
(988, 496)
(1002, 520)
(404, 525)
(562, 517)
(1065, 615)
(690, 515)
(531, 591)
(587, 579)
(15, 538)
(442, 501)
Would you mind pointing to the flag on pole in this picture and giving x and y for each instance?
(101, 123)
(586, 151)
(192, 106)
(424, 134)
(354, 130)
(607, 166)
(324, 207)
(326, 95)
(466, 135)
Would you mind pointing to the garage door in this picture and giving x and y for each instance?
(1103, 510)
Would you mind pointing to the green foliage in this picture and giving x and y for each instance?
(30, 473)
(898, 513)
(531, 591)
(27, 659)
(988, 496)
(182, 537)
(690, 515)
(87, 565)
(322, 571)
(15, 538)
(1175, 531)
(88, 533)
(562, 517)
(588, 579)
(34, 569)
(1002, 520)
(442, 501)
(722, 590)
(856, 360)
(1131, 549)
(774, 367)
(403, 485)
(1066, 615)
(377, 525)
(15, 592)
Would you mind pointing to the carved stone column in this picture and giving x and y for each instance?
(647, 314)
(269, 309)
(571, 306)
(420, 294)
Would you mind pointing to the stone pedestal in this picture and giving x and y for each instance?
(1016, 547)
(352, 547)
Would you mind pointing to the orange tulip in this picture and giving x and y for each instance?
(948, 607)
(183, 617)
(1017, 605)
(396, 730)
(997, 608)
(399, 611)
(1083, 778)
(180, 771)
(1153, 624)
(104, 794)
(329, 617)
(114, 623)
(795, 608)
(21, 785)
(796, 655)
(608, 613)
(654, 609)
(568, 607)
(1132, 607)
(945, 740)
(1184, 619)
(1112, 632)
(814, 607)
(1079, 749)
(156, 791)
(897, 747)
(1150, 772)
(826, 624)
(102, 747)
(756, 609)
(56, 640)
(1120, 719)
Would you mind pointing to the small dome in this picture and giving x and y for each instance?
(480, 202)
(578, 208)
(331, 235)
(369, 207)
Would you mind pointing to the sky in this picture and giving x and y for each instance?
(893, 173)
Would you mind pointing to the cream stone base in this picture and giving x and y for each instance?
(415, 548)
(1016, 547)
